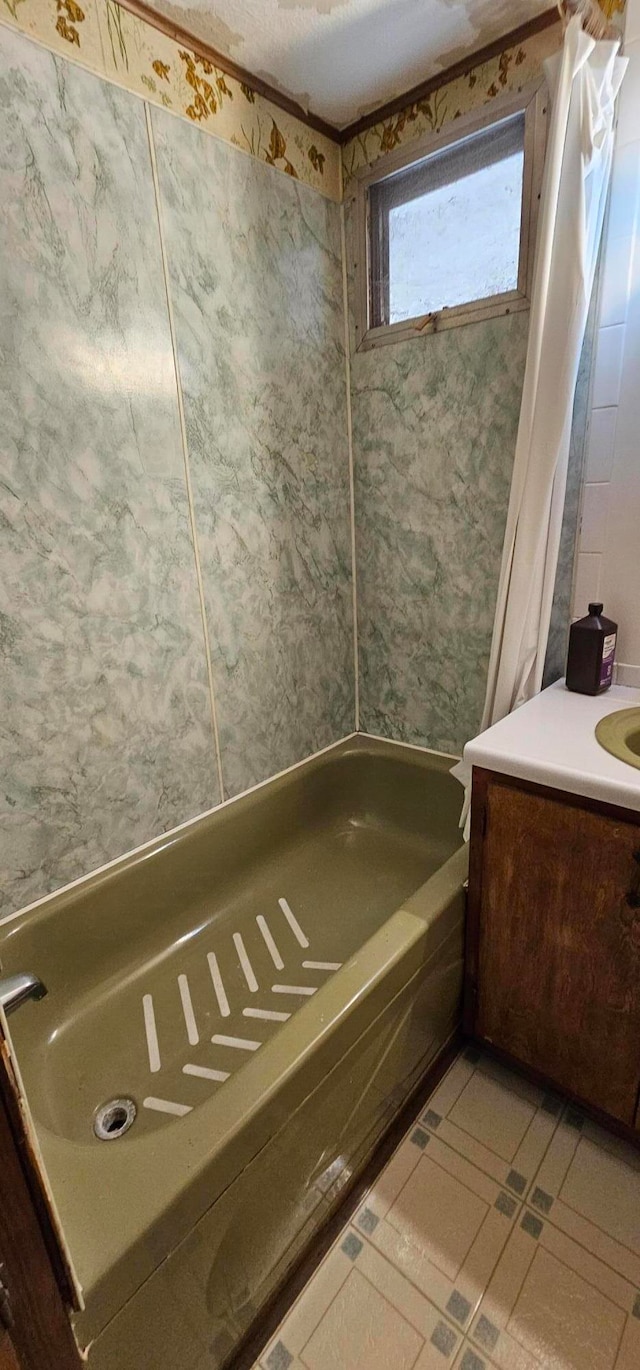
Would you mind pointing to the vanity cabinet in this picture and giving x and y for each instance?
(553, 939)
(7, 1354)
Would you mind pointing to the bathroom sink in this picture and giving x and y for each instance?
(619, 733)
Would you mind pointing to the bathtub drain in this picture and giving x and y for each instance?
(112, 1120)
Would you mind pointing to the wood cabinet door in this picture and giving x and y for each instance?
(40, 1335)
(558, 947)
(7, 1354)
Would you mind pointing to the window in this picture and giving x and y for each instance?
(445, 234)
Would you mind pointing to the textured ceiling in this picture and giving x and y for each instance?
(343, 58)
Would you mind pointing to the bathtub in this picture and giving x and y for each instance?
(266, 986)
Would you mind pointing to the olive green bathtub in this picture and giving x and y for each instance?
(266, 986)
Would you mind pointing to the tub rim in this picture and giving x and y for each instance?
(114, 1249)
(353, 744)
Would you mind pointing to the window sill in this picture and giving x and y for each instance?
(511, 302)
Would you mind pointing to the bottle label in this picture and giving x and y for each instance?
(608, 658)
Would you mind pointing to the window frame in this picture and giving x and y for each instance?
(532, 102)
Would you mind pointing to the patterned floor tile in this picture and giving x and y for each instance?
(363, 1330)
(496, 1119)
(504, 1234)
(446, 1230)
(309, 1309)
(589, 1184)
(469, 1358)
(419, 1310)
(552, 1304)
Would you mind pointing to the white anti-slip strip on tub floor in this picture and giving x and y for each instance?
(218, 1071)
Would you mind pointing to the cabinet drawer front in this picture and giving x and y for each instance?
(559, 945)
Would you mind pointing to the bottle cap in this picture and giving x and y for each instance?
(595, 610)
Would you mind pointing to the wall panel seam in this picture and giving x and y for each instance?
(185, 453)
(44, 899)
(352, 513)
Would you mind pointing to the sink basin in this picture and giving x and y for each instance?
(619, 733)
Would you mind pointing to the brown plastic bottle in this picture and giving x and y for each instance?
(592, 653)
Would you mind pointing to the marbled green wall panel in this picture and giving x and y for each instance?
(105, 719)
(434, 423)
(255, 272)
(106, 722)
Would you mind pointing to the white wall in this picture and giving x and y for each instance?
(608, 560)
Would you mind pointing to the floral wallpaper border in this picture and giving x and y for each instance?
(110, 41)
(107, 39)
(510, 71)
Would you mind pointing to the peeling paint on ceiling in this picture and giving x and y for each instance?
(343, 58)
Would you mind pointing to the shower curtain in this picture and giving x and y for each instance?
(584, 78)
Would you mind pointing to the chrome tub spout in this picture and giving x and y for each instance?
(17, 989)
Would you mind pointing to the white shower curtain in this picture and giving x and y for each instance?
(584, 79)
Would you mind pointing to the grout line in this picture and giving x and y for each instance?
(463, 1183)
(615, 1241)
(508, 1312)
(571, 1158)
(532, 1120)
(597, 1259)
(433, 1132)
(469, 1334)
(588, 1251)
(596, 305)
(457, 1151)
(524, 1201)
(514, 1220)
(336, 1293)
(527, 1196)
(185, 450)
(408, 1317)
(621, 1339)
(368, 1239)
(303, 1293)
(352, 507)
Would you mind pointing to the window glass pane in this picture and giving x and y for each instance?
(457, 242)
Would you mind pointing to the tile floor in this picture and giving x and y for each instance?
(504, 1232)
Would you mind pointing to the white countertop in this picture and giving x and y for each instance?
(551, 740)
